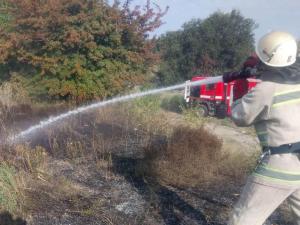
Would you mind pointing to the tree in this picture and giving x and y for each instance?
(171, 51)
(79, 49)
(220, 42)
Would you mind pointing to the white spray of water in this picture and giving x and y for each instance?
(53, 120)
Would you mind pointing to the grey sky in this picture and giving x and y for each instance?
(269, 14)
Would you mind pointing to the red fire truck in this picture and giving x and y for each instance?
(215, 99)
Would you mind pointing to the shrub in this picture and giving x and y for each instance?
(175, 103)
(189, 157)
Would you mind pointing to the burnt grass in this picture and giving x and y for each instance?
(112, 169)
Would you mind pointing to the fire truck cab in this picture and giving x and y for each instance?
(215, 99)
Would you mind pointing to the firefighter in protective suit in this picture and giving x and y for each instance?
(273, 107)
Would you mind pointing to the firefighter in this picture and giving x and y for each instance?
(273, 107)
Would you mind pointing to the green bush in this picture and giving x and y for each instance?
(175, 103)
(147, 105)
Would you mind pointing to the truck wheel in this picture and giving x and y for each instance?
(221, 111)
(202, 110)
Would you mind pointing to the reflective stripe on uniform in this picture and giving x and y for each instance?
(274, 174)
(286, 92)
(286, 97)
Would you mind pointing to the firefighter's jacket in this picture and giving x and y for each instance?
(273, 107)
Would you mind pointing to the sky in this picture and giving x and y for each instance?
(268, 14)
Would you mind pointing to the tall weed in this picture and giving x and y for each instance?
(9, 190)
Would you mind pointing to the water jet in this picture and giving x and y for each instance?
(52, 120)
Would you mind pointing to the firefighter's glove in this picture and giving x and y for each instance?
(231, 76)
(244, 74)
(249, 70)
(252, 61)
(250, 67)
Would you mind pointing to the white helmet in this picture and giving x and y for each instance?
(277, 49)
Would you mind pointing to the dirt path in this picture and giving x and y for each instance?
(235, 139)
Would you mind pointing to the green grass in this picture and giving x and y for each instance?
(148, 104)
(191, 117)
(8, 188)
(174, 103)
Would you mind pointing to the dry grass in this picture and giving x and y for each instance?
(188, 158)
(13, 94)
(185, 156)
(138, 124)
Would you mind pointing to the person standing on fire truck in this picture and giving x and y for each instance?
(273, 107)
